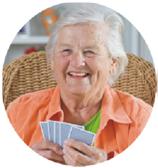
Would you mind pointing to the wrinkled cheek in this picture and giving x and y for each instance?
(99, 78)
(59, 70)
(58, 75)
(97, 88)
(95, 85)
(94, 79)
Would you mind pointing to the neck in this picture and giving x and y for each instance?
(75, 111)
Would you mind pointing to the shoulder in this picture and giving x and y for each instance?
(136, 109)
(130, 101)
(37, 96)
(30, 103)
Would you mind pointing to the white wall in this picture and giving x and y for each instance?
(132, 39)
(134, 42)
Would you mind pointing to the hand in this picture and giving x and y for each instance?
(80, 154)
(49, 150)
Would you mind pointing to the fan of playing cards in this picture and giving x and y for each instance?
(58, 132)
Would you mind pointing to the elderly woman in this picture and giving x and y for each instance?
(86, 54)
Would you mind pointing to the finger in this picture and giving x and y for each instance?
(55, 147)
(51, 156)
(47, 145)
(102, 156)
(77, 157)
(70, 161)
(82, 147)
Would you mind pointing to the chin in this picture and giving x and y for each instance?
(78, 90)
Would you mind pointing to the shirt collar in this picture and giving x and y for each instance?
(112, 108)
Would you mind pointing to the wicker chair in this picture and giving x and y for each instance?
(31, 73)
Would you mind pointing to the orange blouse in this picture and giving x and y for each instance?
(123, 117)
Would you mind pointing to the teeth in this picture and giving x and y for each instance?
(80, 74)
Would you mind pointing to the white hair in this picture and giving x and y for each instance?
(74, 13)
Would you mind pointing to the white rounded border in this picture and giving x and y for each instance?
(142, 14)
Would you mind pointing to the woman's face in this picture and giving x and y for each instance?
(81, 61)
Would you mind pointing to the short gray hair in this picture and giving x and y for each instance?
(73, 13)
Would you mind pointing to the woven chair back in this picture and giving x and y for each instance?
(31, 73)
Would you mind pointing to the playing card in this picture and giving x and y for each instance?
(58, 132)
(65, 131)
(81, 135)
(44, 129)
(57, 135)
(75, 125)
(51, 131)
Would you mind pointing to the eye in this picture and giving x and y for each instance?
(66, 52)
(89, 53)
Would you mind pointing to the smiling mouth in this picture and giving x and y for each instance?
(78, 74)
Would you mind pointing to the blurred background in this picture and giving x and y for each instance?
(33, 36)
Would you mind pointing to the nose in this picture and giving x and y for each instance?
(77, 60)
